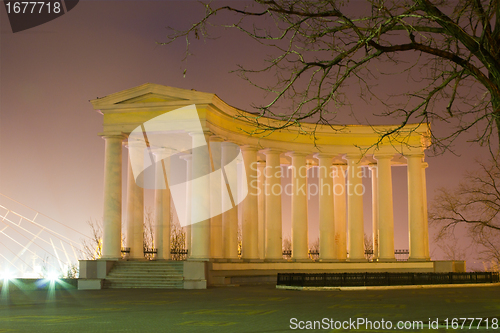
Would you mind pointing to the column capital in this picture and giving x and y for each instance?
(323, 155)
(162, 152)
(416, 155)
(113, 135)
(353, 156)
(382, 156)
(310, 164)
(339, 165)
(296, 154)
(118, 136)
(204, 133)
(135, 143)
(229, 143)
(270, 151)
(187, 157)
(248, 148)
(216, 138)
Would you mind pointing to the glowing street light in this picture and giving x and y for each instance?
(52, 276)
(7, 275)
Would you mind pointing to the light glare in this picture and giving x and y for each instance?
(7, 275)
(53, 276)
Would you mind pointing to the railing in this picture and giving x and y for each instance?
(181, 254)
(382, 279)
(400, 255)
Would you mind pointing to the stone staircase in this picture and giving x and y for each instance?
(146, 274)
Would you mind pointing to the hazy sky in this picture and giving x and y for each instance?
(51, 158)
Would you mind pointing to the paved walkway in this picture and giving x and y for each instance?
(239, 309)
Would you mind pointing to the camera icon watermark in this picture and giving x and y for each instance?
(25, 15)
(157, 154)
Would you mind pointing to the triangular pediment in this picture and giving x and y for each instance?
(150, 93)
(151, 98)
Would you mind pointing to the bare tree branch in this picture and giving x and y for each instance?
(320, 48)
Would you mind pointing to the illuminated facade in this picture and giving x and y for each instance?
(343, 151)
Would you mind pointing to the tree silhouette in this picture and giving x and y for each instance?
(475, 205)
(449, 50)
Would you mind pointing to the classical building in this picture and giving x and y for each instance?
(340, 153)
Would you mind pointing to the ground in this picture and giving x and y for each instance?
(239, 309)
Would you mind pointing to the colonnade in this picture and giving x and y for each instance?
(340, 201)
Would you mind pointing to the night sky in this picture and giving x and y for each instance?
(51, 158)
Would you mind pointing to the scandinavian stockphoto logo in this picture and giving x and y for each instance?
(158, 153)
(29, 14)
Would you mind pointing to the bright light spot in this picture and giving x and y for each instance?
(53, 276)
(7, 275)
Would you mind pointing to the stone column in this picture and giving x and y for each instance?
(135, 202)
(241, 196)
(300, 233)
(112, 215)
(216, 179)
(130, 207)
(200, 198)
(355, 191)
(187, 228)
(162, 205)
(326, 208)
(416, 211)
(426, 216)
(249, 247)
(339, 199)
(261, 203)
(229, 152)
(375, 219)
(385, 209)
(274, 241)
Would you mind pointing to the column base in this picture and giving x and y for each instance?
(219, 260)
(419, 259)
(276, 260)
(197, 259)
(234, 260)
(252, 260)
(300, 260)
(357, 260)
(109, 259)
(139, 259)
(385, 260)
(330, 260)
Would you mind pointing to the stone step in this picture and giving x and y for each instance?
(150, 266)
(147, 265)
(127, 269)
(146, 269)
(170, 263)
(154, 271)
(145, 274)
(133, 278)
(144, 285)
(151, 281)
(142, 276)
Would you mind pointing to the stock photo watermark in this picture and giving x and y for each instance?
(157, 153)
